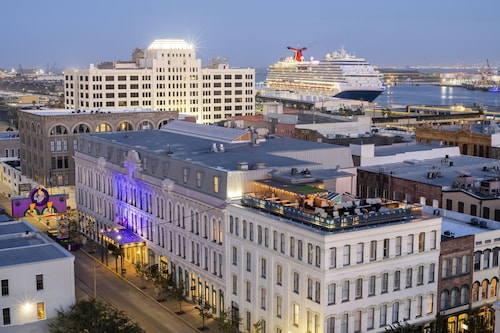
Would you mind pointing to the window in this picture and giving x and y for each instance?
(40, 310)
(263, 298)
(421, 242)
(249, 262)
(235, 284)
(345, 291)
(331, 293)
(410, 244)
(420, 275)
(407, 309)
(370, 318)
(430, 303)
(371, 285)
(395, 312)
(39, 282)
(263, 267)
(398, 246)
(373, 250)
(409, 273)
(418, 308)
(385, 283)
(296, 314)
(330, 325)
(397, 280)
(344, 324)
(386, 248)
(248, 291)
(455, 264)
(383, 315)
(486, 259)
(279, 275)
(5, 287)
(279, 305)
(432, 268)
(359, 288)
(333, 257)
(359, 253)
(296, 280)
(477, 261)
(216, 184)
(347, 255)
(309, 288)
(6, 316)
(466, 264)
(235, 256)
(357, 321)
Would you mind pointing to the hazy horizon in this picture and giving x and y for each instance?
(390, 33)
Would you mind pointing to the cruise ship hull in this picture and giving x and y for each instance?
(359, 95)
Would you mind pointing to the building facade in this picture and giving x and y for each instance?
(260, 226)
(37, 278)
(49, 138)
(166, 76)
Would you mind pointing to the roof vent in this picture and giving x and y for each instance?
(243, 166)
(259, 165)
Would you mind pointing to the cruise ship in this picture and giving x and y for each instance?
(338, 75)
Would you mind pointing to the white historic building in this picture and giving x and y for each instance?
(167, 76)
(261, 226)
(36, 276)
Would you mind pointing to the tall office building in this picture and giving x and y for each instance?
(166, 76)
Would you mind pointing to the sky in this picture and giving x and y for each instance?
(73, 34)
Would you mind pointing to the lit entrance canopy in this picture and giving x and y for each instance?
(122, 238)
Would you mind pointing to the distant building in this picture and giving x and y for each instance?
(166, 76)
(261, 225)
(37, 278)
(482, 140)
(49, 138)
(465, 184)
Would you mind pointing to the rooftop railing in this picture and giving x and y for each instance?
(334, 224)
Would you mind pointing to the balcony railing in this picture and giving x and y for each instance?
(333, 224)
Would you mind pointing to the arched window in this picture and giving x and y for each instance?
(124, 126)
(455, 297)
(103, 127)
(493, 287)
(475, 291)
(445, 299)
(464, 295)
(484, 289)
(81, 128)
(58, 130)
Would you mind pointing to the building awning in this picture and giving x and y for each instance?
(123, 238)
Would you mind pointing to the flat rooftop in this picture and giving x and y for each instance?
(68, 112)
(195, 143)
(21, 243)
(444, 170)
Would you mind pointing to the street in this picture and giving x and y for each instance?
(109, 287)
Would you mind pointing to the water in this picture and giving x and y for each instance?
(407, 94)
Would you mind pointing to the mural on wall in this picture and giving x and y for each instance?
(39, 204)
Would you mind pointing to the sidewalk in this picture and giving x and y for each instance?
(190, 315)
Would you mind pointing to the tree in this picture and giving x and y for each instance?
(204, 310)
(178, 293)
(141, 271)
(259, 326)
(93, 316)
(401, 328)
(228, 321)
